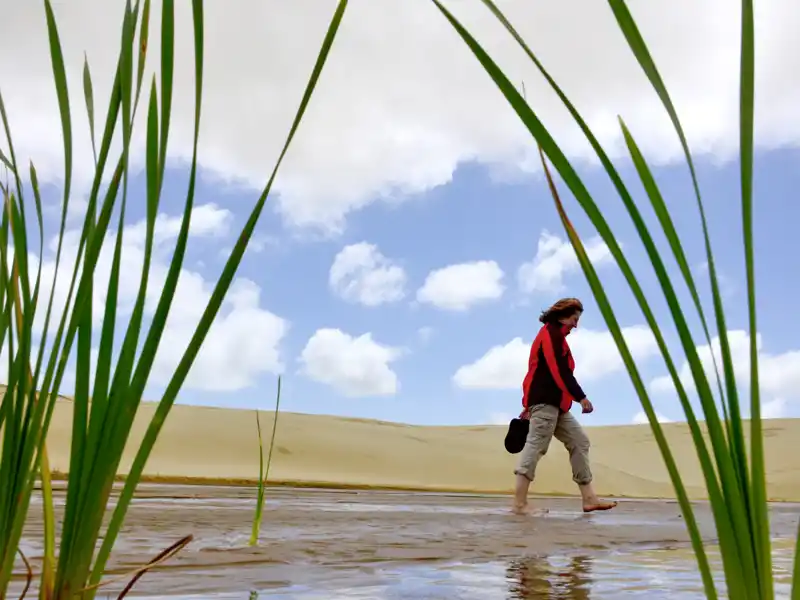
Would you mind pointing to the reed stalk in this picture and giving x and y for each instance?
(104, 405)
(735, 479)
(263, 470)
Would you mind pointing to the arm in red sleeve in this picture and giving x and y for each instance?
(552, 345)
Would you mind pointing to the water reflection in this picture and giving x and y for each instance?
(545, 577)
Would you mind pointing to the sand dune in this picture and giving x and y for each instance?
(221, 444)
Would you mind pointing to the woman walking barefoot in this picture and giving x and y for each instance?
(549, 389)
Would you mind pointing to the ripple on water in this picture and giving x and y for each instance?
(652, 574)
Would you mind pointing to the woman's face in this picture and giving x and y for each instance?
(572, 321)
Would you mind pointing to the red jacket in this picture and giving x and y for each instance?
(549, 379)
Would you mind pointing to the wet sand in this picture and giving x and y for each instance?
(312, 539)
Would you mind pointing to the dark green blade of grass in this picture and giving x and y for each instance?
(111, 119)
(20, 261)
(663, 214)
(759, 510)
(753, 545)
(34, 300)
(88, 95)
(664, 218)
(130, 340)
(274, 430)
(129, 398)
(10, 449)
(156, 152)
(91, 503)
(80, 492)
(4, 159)
(604, 305)
(55, 364)
(167, 72)
(14, 469)
(148, 354)
(796, 569)
(11, 160)
(260, 493)
(639, 48)
(583, 197)
(264, 474)
(508, 26)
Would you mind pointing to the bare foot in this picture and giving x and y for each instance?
(526, 510)
(597, 505)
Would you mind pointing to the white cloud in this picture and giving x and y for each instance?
(595, 353)
(640, 418)
(390, 118)
(208, 220)
(424, 334)
(554, 260)
(353, 366)
(502, 367)
(243, 341)
(360, 273)
(242, 344)
(779, 374)
(461, 286)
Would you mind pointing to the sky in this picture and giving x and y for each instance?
(410, 241)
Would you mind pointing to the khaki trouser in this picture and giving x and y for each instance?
(546, 422)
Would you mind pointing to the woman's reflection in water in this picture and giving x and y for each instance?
(536, 577)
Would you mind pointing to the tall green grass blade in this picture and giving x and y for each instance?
(92, 489)
(88, 95)
(147, 356)
(759, 512)
(16, 474)
(48, 516)
(796, 569)
(73, 513)
(62, 93)
(47, 583)
(4, 159)
(263, 474)
(726, 465)
(34, 300)
(144, 34)
(16, 212)
(664, 219)
(639, 48)
(11, 160)
(274, 429)
(754, 498)
(616, 332)
(167, 72)
(260, 494)
(37, 197)
(33, 442)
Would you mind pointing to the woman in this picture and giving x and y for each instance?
(549, 389)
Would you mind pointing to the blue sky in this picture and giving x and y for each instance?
(410, 172)
(476, 217)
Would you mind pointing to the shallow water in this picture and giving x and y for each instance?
(381, 545)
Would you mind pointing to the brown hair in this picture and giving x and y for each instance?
(565, 307)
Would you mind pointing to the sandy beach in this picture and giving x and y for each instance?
(215, 445)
